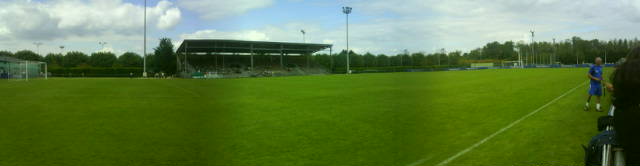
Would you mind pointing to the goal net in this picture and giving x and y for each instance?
(12, 68)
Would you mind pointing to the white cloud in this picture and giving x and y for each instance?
(216, 9)
(382, 26)
(169, 19)
(328, 41)
(31, 20)
(420, 25)
(378, 26)
(108, 49)
(239, 35)
(81, 24)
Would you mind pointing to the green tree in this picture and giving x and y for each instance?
(355, 60)
(382, 60)
(54, 60)
(165, 57)
(74, 59)
(6, 53)
(102, 59)
(130, 59)
(151, 62)
(323, 60)
(369, 60)
(27, 55)
(418, 59)
(340, 60)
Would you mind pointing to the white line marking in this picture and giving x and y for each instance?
(445, 162)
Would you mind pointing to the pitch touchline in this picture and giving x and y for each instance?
(445, 162)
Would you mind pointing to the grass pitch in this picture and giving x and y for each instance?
(365, 119)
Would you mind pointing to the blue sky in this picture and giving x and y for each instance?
(377, 26)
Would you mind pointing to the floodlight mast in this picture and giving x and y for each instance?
(519, 57)
(46, 73)
(26, 70)
(533, 51)
(304, 40)
(555, 52)
(38, 46)
(26, 62)
(144, 51)
(347, 10)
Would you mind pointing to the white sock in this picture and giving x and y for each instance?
(598, 105)
(587, 105)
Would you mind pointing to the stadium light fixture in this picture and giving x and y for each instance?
(102, 44)
(347, 10)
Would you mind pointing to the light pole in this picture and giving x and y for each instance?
(555, 52)
(102, 44)
(533, 51)
(304, 40)
(573, 49)
(38, 46)
(605, 54)
(144, 51)
(519, 48)
(347, 10)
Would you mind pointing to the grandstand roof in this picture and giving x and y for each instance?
(242, 46)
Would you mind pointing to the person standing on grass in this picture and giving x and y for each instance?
(595, 86)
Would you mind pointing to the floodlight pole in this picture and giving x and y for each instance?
(38, 46)
(555, 52)
(520, 57)
(304, 40)
(573, 49)
(347, 10)
(144, 51)
(605, 54)
(26, 70)
(533, 51)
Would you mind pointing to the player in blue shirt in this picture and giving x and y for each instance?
(595, 85)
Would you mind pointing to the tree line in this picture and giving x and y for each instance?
(570, 51)
(76, 62)
(80, 59)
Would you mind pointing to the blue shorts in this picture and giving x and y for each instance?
(595, 90)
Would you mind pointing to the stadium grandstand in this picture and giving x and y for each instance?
(215, 58)
(13, 68)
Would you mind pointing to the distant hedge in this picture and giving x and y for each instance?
(96, 71)
(399, 68)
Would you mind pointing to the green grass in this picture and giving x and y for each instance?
(363, 119)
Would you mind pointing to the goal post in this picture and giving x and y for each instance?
(17, 69)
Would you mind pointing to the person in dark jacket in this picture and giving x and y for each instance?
(626, 97)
